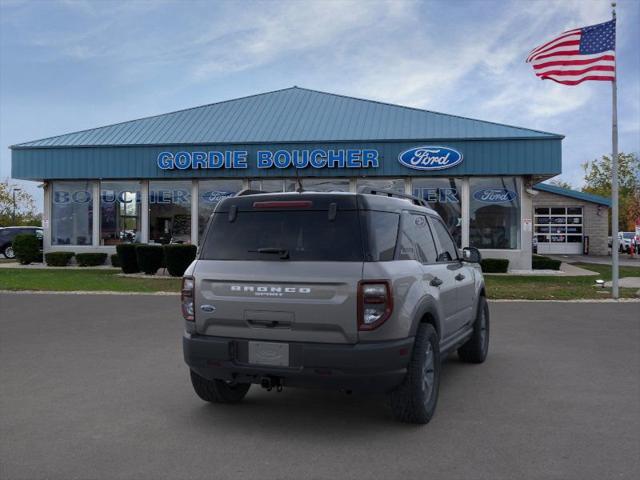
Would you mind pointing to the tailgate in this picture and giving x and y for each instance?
(280, 301)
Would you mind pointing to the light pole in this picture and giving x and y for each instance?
(14, 203)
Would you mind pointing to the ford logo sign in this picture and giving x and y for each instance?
(430, 158)
(495, 195)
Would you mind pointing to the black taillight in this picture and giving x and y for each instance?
(375, 303)
(186, 298)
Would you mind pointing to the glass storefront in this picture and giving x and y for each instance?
(323, 185)
(210, 192)
(272, 185)
(170, 211)
(494, 208)
(494, 213)
(72, 213)
(119, 212)
(444, 195)
(392, 184)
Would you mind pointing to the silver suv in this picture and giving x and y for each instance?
(359, 292)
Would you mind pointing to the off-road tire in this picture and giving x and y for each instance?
(218, 391)
(8, 252)
(413, 401)
(475, 350)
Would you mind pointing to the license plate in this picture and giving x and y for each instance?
(268, 353)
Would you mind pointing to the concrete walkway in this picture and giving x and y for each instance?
(566, 270)
(43, 266)
(624, 259)
(626, 282)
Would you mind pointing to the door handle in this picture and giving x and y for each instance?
(459, 277)
(435, 282)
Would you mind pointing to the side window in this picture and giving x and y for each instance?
(447, 251)
(416, 242)
(382, 233)
(406, 250)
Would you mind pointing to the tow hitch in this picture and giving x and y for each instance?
(269, 383)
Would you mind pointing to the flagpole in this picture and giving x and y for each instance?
(614, 177)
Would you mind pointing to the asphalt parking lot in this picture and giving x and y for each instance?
(94, 387)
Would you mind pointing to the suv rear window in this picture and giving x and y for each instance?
(294, 235)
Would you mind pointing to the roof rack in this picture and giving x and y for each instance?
(248, 191)
(389, 193)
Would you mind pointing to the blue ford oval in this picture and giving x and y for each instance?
(495, 195)
(430, 158)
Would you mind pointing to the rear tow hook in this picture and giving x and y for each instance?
(268, 383)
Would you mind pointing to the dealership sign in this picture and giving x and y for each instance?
(430, 158)
(495, 195)
(264, 159)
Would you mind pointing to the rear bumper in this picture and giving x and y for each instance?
(371, 367)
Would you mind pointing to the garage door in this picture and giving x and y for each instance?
(558, 229)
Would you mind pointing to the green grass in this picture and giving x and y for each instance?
(498, 287)
(81, 280)
(557, 288)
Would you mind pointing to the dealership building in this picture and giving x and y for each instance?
(157, 180)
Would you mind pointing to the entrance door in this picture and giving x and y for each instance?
(558, 230)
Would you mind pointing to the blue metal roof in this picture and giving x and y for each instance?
(292, 115)
(565, 192)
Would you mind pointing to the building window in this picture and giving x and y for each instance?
(444, 196)
(170, 212)
(272, 185)
(72, 213)
(392, 184)
(320, 185)
(119, 212)
(494, 213)
(210, 192)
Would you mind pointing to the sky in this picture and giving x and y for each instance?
(72, 65)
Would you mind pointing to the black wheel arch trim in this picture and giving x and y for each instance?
(427, 308)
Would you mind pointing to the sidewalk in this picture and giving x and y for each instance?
(566, 270)
(44, 266)
(624, 259)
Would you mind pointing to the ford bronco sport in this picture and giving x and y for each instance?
(359, 292)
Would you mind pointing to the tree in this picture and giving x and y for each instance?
(597, 179)
(25, 207)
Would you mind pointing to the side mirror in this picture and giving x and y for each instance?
(471, 255)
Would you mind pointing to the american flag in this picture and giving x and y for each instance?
(587, 53)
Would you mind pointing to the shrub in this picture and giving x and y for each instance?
(90, 259)
(115, 260)
(27, 248)
(178, 257)
(494, 265)
(149, 258)
(127, 257)
(545, 263)
(58, 259)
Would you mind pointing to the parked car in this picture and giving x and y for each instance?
(7, 234)
(625, 240)
(358, 292)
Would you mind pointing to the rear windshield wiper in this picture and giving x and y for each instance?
(283, 252)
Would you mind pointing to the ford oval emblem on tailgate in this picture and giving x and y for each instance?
(430, 158)
(208, 308)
